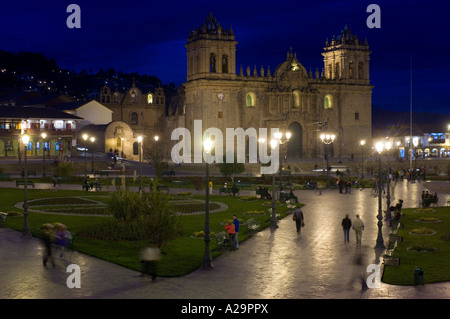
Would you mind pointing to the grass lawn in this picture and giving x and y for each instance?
(180, 256)
(430, 251)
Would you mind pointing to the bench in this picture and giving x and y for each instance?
(390, 252)
(22, 182)
(181, 183)
(428, 201)
(58, 180)
(263, 193)
(5, 176)
(229, 191)
(169, 173)
(287, 196)
(394, 231)
(101, 173)
(3, 217)
(222, 240)
(244, 185)
(163, 188)
(253, 225)
(28, 173)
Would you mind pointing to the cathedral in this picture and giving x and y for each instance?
(337, 99)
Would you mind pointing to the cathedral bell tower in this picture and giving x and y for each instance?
(347, 59)
(211, 51)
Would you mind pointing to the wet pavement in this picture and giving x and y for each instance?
(273, 264)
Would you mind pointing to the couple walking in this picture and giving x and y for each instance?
(357, 226)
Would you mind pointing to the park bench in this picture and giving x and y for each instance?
(163, 188)
(287, 196)
(5, 176)
(3, 217)
(58, 179)
(169, 173)
(253, 225)
(244, 185)
(22, 182)
(101, 173)
(180, 183)
(263, 193)
(430, 200)
(222, 239)
(394, 230)
(229, 191)
(29, 173)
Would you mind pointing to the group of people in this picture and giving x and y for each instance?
(344, 186)
(54, 234)
(232, 229)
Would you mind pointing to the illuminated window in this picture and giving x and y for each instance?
(250, 99)
(328, 102)
(149, 98)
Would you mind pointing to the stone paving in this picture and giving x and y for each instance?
(273, 264)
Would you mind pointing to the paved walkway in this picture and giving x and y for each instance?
(273, 264)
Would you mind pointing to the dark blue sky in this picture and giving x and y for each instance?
(149, 37)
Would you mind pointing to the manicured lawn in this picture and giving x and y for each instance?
(180, 256)
(435, 260)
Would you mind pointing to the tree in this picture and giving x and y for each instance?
(231, 169)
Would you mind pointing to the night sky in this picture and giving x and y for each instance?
(148, 37)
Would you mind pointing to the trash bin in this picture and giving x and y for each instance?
(418, 276)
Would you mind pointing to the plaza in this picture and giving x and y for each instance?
(272, 264)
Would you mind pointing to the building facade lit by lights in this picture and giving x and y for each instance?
(337, 99)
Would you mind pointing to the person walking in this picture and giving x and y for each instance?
(236, 231)
(210, 184)
(358, 227)
(48, 230)
(299, 219)
(229, 227)
(346, 225)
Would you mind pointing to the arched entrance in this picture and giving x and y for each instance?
(295, 144)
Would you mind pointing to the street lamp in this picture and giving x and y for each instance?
(380, 242)
(92, 153)
(44, 135)
(388, 146)
(207, 259)
(362, 157)
(140, 138)
(26, 230)
(274, 143)
(327, 139)
(85, 137)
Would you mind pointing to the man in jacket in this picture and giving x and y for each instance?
(358, 227)
(298, 217)
(346, 225)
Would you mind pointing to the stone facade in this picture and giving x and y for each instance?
(290, 98)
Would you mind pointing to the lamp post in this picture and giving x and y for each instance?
(207, 259)
(327, 139)
(140, 138)
(362, 157)
(380, 242)
(44, 135)
(26, 230)
(277, 140)
(388, 146)
(85, 137)
(92, 153)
